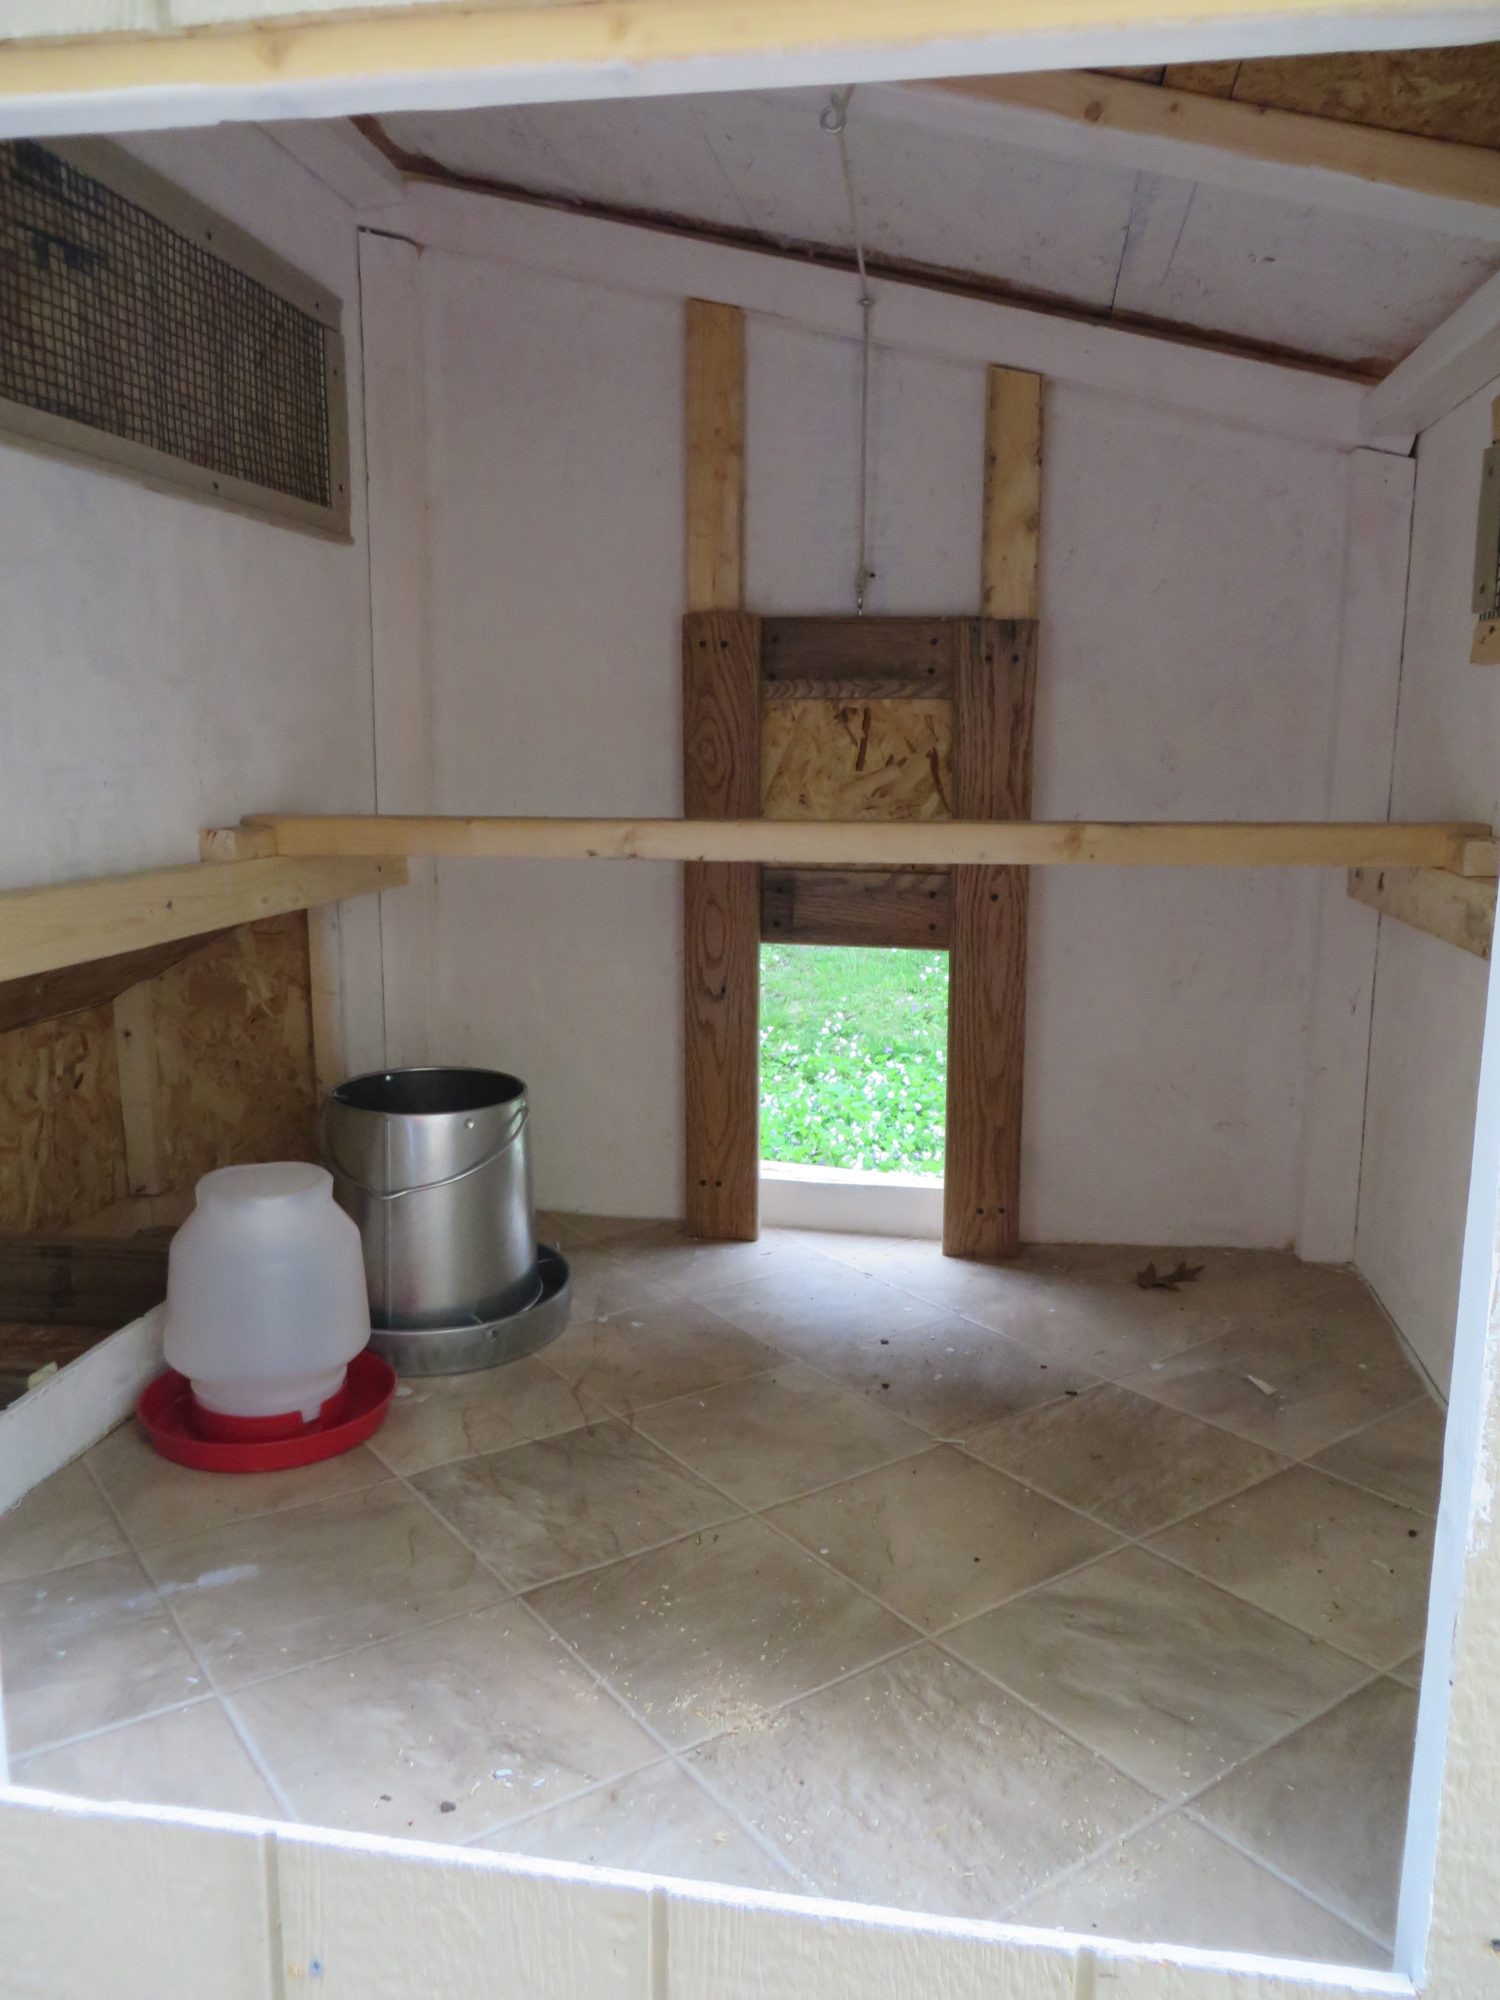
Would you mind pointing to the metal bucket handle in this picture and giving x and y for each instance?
(418, 1187)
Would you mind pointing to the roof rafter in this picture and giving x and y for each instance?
(1429, 183)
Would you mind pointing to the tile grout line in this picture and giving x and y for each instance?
(138, 1547)
(677, 1759)
(1126, 1541)
(1129, 1381)
(215, 1689)
(1190, 1800)
(934, 1636)
(801, 1884)
(621, 1701)
(1353, 1923)
(112, 1728)
(679, 1754)
(937, 1637)
(1180, 1562)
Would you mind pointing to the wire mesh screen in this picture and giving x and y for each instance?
(111, 317)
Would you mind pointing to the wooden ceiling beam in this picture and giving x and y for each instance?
(238, 66)
(1220, 141)
(1457, 359)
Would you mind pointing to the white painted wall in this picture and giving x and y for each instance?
(1429, 997)
(164, 663)
(1190, 599)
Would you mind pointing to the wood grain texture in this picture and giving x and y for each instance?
(235, 843)
(846, 761)
(1204, 79)
(62, 1142)
(46, 996)
(1452, 184)
(857, 659)
(140, 1098)
(204, 1065)
(67, 923)
(1459, 909)
(325, 994)
(1467, 847)
(1444, 93)
(233, 1055)
(721, 1019)
(1451, 93)
(1012, 493)
(898, 910)
(80, 1280)
(720, 715)
(721, 930)
(720, 738)
(993, 707)
(714, 387)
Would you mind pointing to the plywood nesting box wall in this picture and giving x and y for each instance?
(206, 1063)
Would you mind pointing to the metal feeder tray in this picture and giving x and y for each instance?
(460, 1350)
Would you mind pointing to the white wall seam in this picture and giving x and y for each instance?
(1390, 792)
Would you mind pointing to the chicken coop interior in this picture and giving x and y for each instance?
(475, 580)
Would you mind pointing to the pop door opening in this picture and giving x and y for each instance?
(853, 1058)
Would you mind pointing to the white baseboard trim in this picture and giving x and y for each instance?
(841, 1198)
(50, 1425)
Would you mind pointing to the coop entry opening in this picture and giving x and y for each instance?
(853, 1058)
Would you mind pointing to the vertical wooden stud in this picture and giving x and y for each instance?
(1012, 494)
(721, 780)
(140, 1093)
(326, 998)
(714, 375)
(994, 695)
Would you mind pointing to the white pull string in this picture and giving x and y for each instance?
(834, 119)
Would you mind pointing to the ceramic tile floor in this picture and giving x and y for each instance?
(819, 1564)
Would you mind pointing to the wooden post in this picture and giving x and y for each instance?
(721, 780)
(140, 1089)
(714, 378)
(325, 994)
(992, 723)
(1012, 494)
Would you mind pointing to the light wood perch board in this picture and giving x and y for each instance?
(1464, 848)
(69, 923)
(1459, 909)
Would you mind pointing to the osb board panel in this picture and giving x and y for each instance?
(234, 1052)
(1435, 93)
(46, 996)
(1439, 93)
(856, 760)
(62, 1141)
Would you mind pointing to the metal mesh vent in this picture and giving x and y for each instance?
(112, 318)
